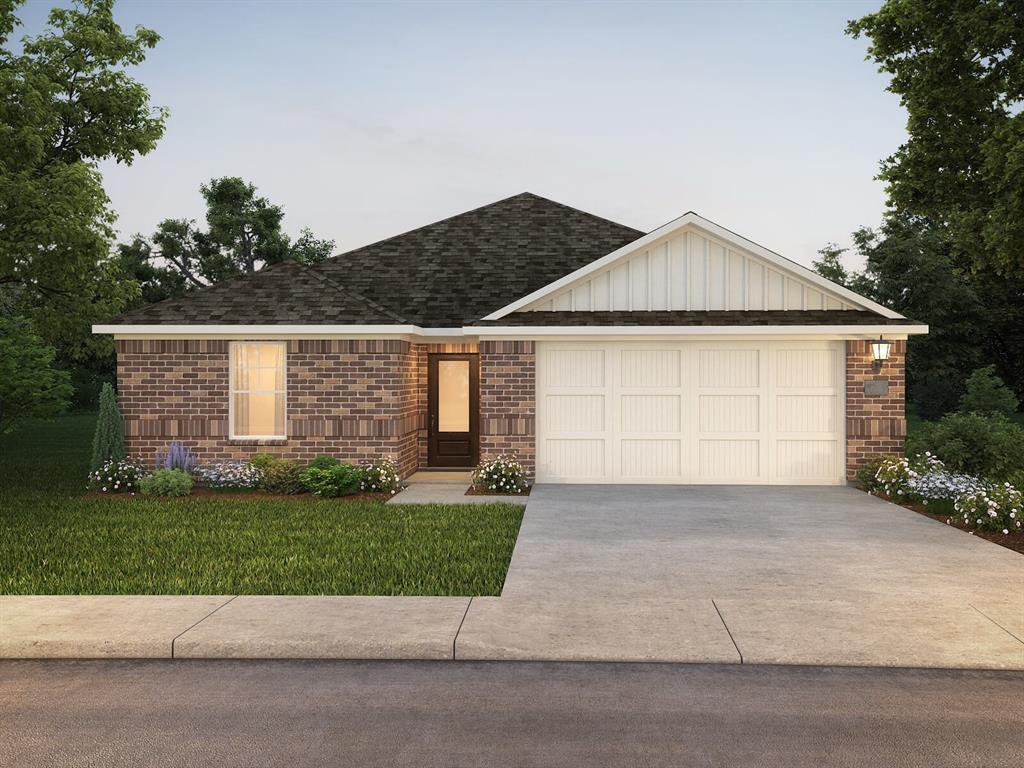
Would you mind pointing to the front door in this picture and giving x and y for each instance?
(453, 405)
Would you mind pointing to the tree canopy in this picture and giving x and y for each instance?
(957, 67)
(67, 102)
(243, 234)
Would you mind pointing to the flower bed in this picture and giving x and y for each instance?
(992, 511)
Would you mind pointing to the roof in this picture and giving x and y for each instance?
(735, 317)
(452, 272)
(283, 293)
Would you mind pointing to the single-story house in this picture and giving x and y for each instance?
(595, 352)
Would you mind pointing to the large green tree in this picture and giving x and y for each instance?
(67, 102)
(243, 234)
(30, 387)
(958, 68)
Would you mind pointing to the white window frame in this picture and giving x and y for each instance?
(232, 391)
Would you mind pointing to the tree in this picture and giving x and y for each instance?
(987, 393)
(243, 234)
(957, 68)
(66, 103)
(108, 441)
(30, 387)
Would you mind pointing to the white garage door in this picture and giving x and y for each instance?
(690, 412)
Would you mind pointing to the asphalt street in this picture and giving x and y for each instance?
(295, 713)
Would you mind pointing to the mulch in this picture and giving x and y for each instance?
(474, 491)
(1014, 541)
(211, 493)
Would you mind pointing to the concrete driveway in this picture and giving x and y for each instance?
(799, 575)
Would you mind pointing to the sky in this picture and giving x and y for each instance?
(365, 120)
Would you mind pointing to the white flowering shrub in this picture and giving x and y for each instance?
(380, 477)
(502, 474)
(894, 475)
(998, 508)
(227, 475)
(117, 476)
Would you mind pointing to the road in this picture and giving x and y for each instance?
(294, 713)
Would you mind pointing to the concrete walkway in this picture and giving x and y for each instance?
(820, 576)
(446, 487)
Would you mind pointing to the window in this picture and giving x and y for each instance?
(257, 408)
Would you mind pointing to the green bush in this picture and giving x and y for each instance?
(999, 508)
(262, 460)
(280, 476)
(988, 446)
(502, 474)
(987, 393)
(867, 475)
(380, 476)
(108, 442)
(167, 482)
(328, 482)
(324, 462)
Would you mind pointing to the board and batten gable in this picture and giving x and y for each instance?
(691, 270)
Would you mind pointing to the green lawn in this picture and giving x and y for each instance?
(55, 540)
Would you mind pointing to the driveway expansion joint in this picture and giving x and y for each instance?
(455, 639)
(173, 639)
(728, 631)
(1019, 640)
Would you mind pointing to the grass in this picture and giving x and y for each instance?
(57, 540)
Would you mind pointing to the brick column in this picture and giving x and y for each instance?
(507, 401)
(875, 423)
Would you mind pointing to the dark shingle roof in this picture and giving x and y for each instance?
(460, 269)
(286, 293)
(712, 317)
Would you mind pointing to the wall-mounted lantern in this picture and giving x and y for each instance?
(880, 351)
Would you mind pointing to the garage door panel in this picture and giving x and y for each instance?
(579, 458)
(806, 368)
(729, 368)
(650, 368)
(574, 413)
(651, 459)
(730, 460)
(805, 413)
(574, 368)
(650, 413)
(802, 460)
(729, 413)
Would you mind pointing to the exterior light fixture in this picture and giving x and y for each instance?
(880, 351)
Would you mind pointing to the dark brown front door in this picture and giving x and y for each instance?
(453, 410)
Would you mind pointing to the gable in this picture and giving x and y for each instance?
(692, 264)
(690, 271)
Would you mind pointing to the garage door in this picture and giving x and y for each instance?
(690, 412)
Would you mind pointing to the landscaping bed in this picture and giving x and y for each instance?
(1014, 541)
(476, 491)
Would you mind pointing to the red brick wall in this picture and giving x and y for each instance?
(875, 424)
(507, 400)
(354, 399)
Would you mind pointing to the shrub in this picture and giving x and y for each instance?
(177, 457)
(262, 460)
(867, 475)
(328, 482)
(108, 442)
(228, 474)
(987, 393)
(893, 476)
(280, 476)
(996, 509)
(167, 482)
(380, 477)
(502, 473)
(985, 445)
(117, 476)
(323, 462)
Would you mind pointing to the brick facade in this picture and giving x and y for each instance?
(875, 424)
(355, 399)
(507, 400)
(364, 399)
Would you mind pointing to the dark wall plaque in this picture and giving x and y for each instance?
(876, 387)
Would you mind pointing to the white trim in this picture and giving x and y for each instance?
(274, 331)
(231, 394)
(845, 331)
(692, 219)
